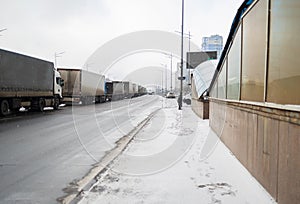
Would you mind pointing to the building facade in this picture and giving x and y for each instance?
(213, 43)
(254, 97)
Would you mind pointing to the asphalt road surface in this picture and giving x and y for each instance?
(41, 153)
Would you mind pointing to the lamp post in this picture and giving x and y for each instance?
(1, 30)
(88, 65)
(171, 57)
(161, 72)
(166, 87)
(187, 35)
(56, 55)
(181, 64)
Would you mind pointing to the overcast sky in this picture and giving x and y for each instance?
(78, 27)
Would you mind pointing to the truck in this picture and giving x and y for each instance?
(141, 90)
(115, 90)
(82, 87)
(135, 90)
(128, 89)
(27, 82)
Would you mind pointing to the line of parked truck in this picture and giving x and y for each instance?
(84, 87)
(35, 84)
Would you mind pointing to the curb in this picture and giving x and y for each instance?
(76, 188)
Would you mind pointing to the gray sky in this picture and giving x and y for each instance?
(42, 27)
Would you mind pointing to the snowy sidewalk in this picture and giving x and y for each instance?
(162, 165)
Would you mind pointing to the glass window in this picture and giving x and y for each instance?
(284, 60)
(214, 90)
(254, 52)
(222, 82)
(234, 63)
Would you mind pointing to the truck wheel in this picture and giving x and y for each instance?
(56, 104)
(4, 108)
(41, 105)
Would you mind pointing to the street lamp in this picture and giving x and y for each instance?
(56, 55)
(1, 30)
(162, 82)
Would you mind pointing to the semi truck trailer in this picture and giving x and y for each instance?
(115, 90)
(135, 90)
(128, 89)
(82, 87)
(27, 82)
(141, 90)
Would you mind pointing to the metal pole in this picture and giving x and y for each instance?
(189, 82)
(171, 70)
(162, 82)
(56, 55)
(166, 78)
(189, 41)
(55, 59)
(181, 71)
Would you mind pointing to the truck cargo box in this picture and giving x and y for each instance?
(115, 90)
(92, 84)
(128, 89)
(135, 90)
(118, 87)
(72, 79)
(24, 76)
(82, 85)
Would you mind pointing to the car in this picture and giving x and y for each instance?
(170, 95)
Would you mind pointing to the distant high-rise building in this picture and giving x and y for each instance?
(213, 43)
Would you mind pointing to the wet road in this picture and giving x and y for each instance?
(41, 153)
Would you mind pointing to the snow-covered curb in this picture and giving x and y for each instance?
(119, 141)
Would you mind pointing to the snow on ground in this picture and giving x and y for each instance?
(163, 165)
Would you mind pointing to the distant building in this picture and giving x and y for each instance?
(213, 43)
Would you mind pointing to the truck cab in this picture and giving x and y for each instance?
(58, 84)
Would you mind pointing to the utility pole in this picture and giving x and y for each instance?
(187, 35)
(166, 78)
(181, 64)
(162, 82)
(189, 82)
(171, 70)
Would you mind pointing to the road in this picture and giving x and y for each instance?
(41, 153)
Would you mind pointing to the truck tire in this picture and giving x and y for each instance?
(41, 105)
(56, 104)
(4, 107)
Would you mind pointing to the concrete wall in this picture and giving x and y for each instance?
(201, 108)
(266, 140)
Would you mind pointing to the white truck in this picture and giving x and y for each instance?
(82, 87)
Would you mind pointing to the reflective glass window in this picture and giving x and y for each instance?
(222, 82)
(284, 60)
(234, 63)
(254, 52)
